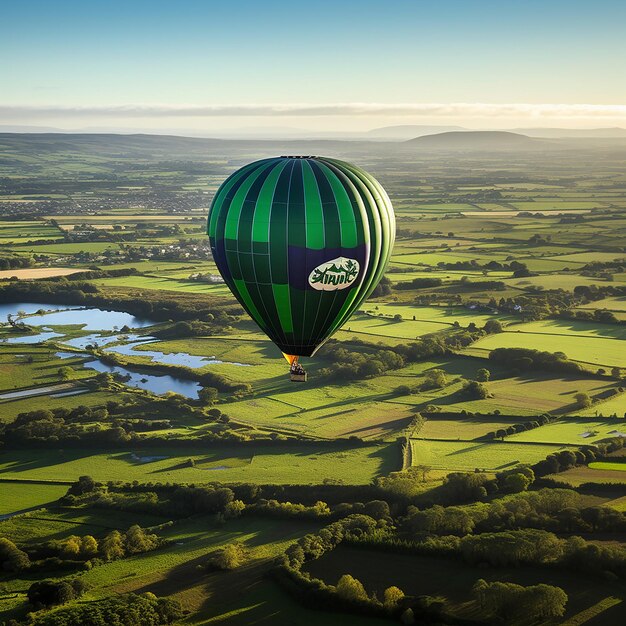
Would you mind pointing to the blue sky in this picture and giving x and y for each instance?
(76, 63)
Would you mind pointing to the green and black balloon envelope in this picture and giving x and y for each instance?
(301, 242)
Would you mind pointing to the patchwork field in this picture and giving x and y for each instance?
(535, 236)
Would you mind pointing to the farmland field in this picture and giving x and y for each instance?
(19, 496)
(303, 464)
(467, 456)
(571, 430)
(598, 351)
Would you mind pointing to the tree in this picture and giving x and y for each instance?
(207, 395)
(136, 540)
(88, 546)
(85, 484)
(229, 557)
(508, 601)
(583, 400)
(392, 597)
(49, 592)
(436, 378)
(545, 601)
(71, 547)
(492, 327)
(616, 373)
(234, 509)
(483, 375)
(351, 589)
(475, 390)
(65, 373)
(517, 482)
(376, 509)
(12, 559)
(112, 546)
(424, 470)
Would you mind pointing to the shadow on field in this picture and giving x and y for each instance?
(391, 425)
(35, 459)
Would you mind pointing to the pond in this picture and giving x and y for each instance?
(30, 339)
(172, 358)
(90, 318)
(98, 340)
(132, 341)
(158, 384)
(26, 307)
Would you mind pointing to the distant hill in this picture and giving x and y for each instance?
(408, 131)
(477, 140)
(572, 133)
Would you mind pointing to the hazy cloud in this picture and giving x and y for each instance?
(467, 110)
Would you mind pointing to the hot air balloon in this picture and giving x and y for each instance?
(301, 241)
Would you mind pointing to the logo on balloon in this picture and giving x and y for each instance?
(339, 273)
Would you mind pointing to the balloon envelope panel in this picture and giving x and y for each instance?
(301, 242)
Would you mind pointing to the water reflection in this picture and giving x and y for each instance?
(156, 384)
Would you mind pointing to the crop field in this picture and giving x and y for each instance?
(66, 248)
(302, 464)
(364, 409)
(38, 272)
(467, 456)
(10, 409)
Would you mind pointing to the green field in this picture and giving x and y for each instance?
(20, 496)
(287, 464)
(464, 427)
(597, 351)
(606, 465)
(570, 430)
(548, 394)
(467, 456)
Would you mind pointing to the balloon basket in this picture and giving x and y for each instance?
(298, 378)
